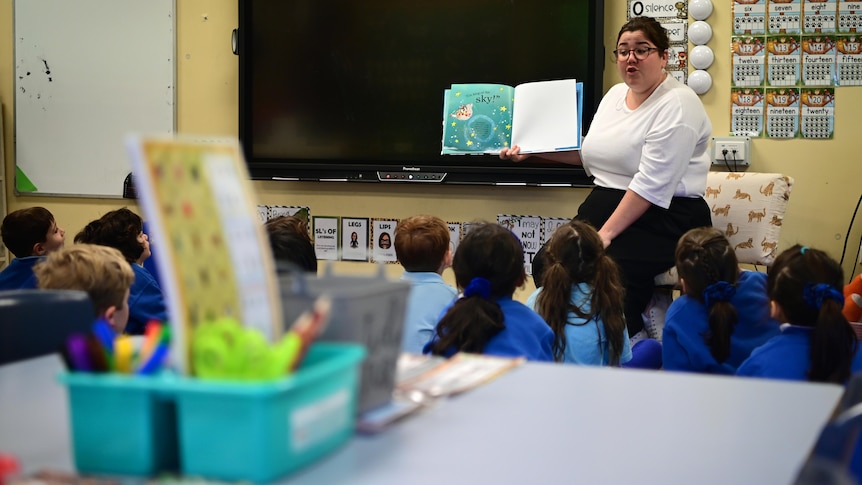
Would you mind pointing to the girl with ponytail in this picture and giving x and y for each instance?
(722, 314)
(488, 267)
(818, 344)
(582, 297)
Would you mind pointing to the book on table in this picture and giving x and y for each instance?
(541, 116)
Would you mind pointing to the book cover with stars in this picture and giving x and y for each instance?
(541, 116)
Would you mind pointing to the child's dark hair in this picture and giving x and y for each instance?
(807, 284)
(290, 242)
(707, 264)
(488, 264)
(24, 228)
(421, 243)
(540, 264)
(118, 229)
(575, 254)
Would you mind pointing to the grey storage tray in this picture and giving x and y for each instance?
(365, 310)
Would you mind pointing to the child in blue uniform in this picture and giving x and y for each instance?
(581, 298)
(99, 270)
(124, 230)
(488, 266)
(422, 247)
(29, 234)
(722, 314)
(817, 344)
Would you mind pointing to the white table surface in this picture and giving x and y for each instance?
(539, 423)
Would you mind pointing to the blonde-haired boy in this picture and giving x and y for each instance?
(100, 271)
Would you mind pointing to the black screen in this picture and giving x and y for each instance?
(352, 89)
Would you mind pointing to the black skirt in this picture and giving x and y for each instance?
(651, 238)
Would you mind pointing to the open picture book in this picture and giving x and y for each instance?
(541, 116)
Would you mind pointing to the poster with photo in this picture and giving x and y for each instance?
(383, 240)
(354, 239)
(326, 238)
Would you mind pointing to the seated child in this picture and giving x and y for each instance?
(288, 236)
(817, 344)
(489, 266)
(123, 229)
(422, 247)
(723, 312)
(99, 270)
(29, 234)
(581, 297)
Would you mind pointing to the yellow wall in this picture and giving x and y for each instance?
(826, 172)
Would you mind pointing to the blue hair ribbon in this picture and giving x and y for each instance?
(478, 287)
(803, 249)
(815, 294)
(718, 291)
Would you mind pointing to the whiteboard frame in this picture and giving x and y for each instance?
(88, 73)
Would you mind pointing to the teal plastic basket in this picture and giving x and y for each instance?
(259, 432)
(145, 425)
(121, 424)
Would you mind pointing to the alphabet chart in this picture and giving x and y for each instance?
(215, 259)
(818, 112)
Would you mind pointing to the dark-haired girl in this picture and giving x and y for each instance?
(722, 314)
(581, 297)
(488, 267)
(817, 344)
(124, 230)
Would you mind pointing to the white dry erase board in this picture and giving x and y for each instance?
(87, 73)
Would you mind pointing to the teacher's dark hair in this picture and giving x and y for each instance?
(651, 28)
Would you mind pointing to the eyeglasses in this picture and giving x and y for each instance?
(640, 53)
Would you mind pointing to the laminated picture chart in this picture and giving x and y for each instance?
(215, 260)
(784, 50)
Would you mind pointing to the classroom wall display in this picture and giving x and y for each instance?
(326, 237)
(354, 239)
(528, 229)
(788, 56)
(383, 240)
(87, 73)
(673, 16)
(454, 235)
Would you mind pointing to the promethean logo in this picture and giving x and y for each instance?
(411, 169)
